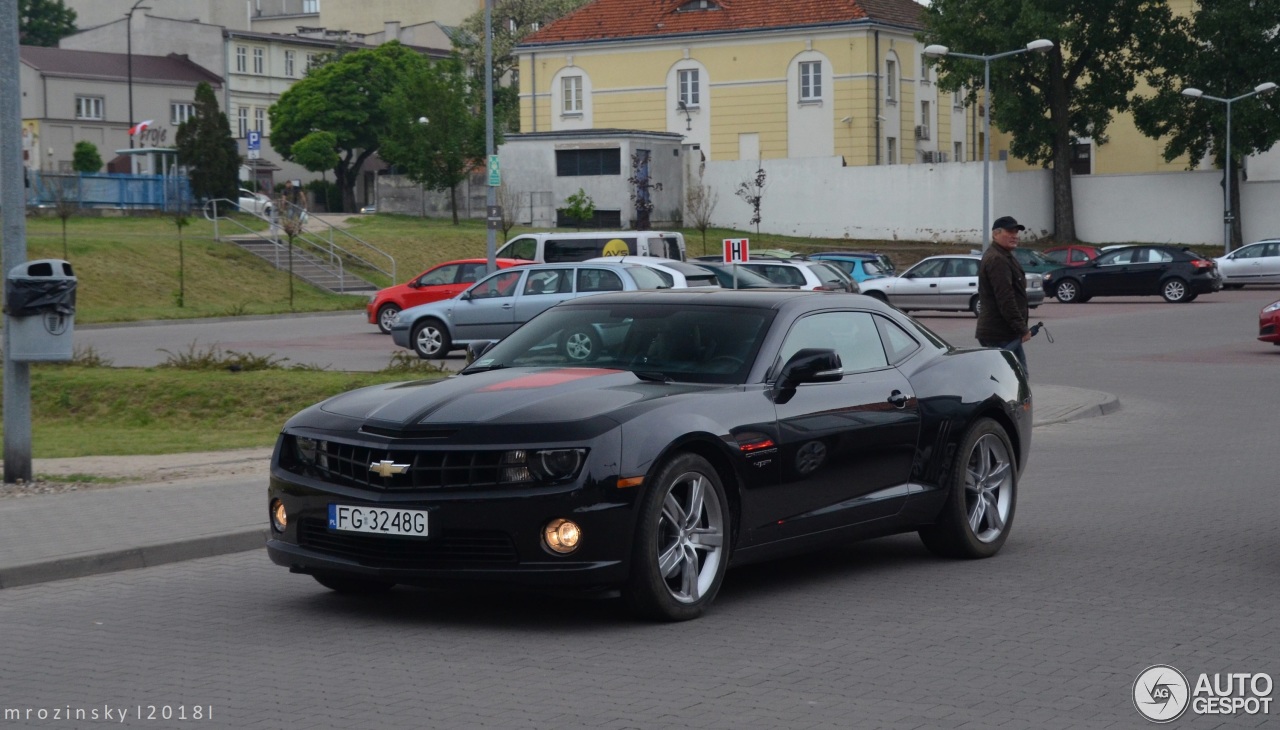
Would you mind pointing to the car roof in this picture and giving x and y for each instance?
(748, 298)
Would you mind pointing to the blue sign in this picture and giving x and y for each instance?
(254, 139)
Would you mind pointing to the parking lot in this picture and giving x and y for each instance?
(1143, 537)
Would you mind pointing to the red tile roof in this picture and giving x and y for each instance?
(115, 66)
(610, 19)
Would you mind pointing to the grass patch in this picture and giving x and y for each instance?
(80, 479)
(83, 411)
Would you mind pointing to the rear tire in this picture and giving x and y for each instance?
(351, 585)
(1175, 290)
(981, 498)
(975, 306)
(386, 315)
(682, 541)
(430, 339)
(878, 295)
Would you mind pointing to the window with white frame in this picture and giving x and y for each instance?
(957, 98)
(926, 115)
(242, 59)
(88, 107)
(288, 62)
(810, 80)
(311, 61)
(310, 6)
(924, 69)
(959, 147)
(181, 111)
(891, 80)
(892, 148)
(571, 90)
(242, 122)
(690, 88)
(260, 119)
(258, 60)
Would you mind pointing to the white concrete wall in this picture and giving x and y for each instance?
(943, 202)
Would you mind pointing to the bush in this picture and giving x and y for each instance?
(324, 195)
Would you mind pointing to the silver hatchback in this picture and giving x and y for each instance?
(941, 282)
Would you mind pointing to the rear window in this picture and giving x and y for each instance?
(826, 274)
(647, 278)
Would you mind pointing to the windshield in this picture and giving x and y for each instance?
(658, 341)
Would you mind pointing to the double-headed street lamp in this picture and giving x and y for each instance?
(1041, 45)
(128, 41)
(1228, 216)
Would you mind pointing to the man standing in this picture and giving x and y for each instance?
(1002, 292)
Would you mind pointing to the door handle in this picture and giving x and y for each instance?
(933, 286)
(506, 306)
(899, 399)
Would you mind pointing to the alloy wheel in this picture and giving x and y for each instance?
(691, 536)
(988, 487)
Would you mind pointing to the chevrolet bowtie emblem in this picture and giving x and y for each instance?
(386, 468)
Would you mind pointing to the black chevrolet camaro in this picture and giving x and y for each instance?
(711, 428)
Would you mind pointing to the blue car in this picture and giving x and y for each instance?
(861, 266)
(496, 305)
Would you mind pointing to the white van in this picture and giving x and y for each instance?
(552, 248)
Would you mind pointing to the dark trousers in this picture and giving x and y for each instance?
(1015, 347)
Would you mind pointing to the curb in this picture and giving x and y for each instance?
(1106, 404)
(216, 320)
(79, 566)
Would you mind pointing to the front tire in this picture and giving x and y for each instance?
(430, 339)
(975, 306)
(1067, 291)
(386, 315)
(982, 497)
(682, 540)
(1175, 290)
(351, 585)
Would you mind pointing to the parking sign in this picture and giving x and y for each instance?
(253, 142)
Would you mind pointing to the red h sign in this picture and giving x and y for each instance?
(735, 249)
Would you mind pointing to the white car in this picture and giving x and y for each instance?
(1257, 263)
(803, 274)
(255, 203)
(677, 274)
(941, 282)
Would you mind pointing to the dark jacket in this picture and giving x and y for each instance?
(1002, 297)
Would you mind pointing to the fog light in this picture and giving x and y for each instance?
(562, 536)
(279, 518)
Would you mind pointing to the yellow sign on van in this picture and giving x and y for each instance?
(616, 247)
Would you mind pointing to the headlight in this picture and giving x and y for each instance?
(310, 452)
(1271, 307)
(542, 465)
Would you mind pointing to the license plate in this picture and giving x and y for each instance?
(377, 520)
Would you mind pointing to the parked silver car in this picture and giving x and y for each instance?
(499, 303)
(941, 282)
(1257, 263)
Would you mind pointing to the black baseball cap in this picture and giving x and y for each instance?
(1008, 223)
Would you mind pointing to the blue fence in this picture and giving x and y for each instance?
(110, 190)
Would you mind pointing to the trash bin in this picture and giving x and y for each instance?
(40, 299)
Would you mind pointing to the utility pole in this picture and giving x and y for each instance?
(17, 375)
(491, 197)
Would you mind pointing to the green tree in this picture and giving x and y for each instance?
(207, 149)
(579, 207)
(1225, 49)
(1046, 102)
(44, 22)
(345, 97)
(440, 151)
(512, 20)
(85, 157)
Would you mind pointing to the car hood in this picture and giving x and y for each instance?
(503, 397)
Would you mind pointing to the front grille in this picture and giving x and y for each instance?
(349, 465)
(450, 548)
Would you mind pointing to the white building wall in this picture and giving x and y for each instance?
(943, 202)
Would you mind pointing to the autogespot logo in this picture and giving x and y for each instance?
(1161, 693)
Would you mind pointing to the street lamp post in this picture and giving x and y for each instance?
(491, 197)
(1041, 45)
(128, 40)
(1228, 215)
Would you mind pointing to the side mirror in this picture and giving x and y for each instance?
(477, 349)
(810, 365)
(465, 296)
(414, 284)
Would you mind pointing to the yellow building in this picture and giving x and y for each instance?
(747, 79)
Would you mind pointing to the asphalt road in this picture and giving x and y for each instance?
(1144, 537)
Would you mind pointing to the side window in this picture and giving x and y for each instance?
(929, 269)
(1273, 249)
(962, 267)
(1078, 255)
(502, 284)
(897, 343)
(525, 249)
(590, 280)
(572, 249)
(1249, 252)
(440, 275)
(1115, 257)
(471, 273)
(1159, 257)
(853, 335)
(549, 281)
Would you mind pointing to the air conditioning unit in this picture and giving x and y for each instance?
(922, 132)
(930, 156)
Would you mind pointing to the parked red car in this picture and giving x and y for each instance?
(443, 281)
(1072, 255)
(1269, 323)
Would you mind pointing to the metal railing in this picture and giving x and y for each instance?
(323, 248)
